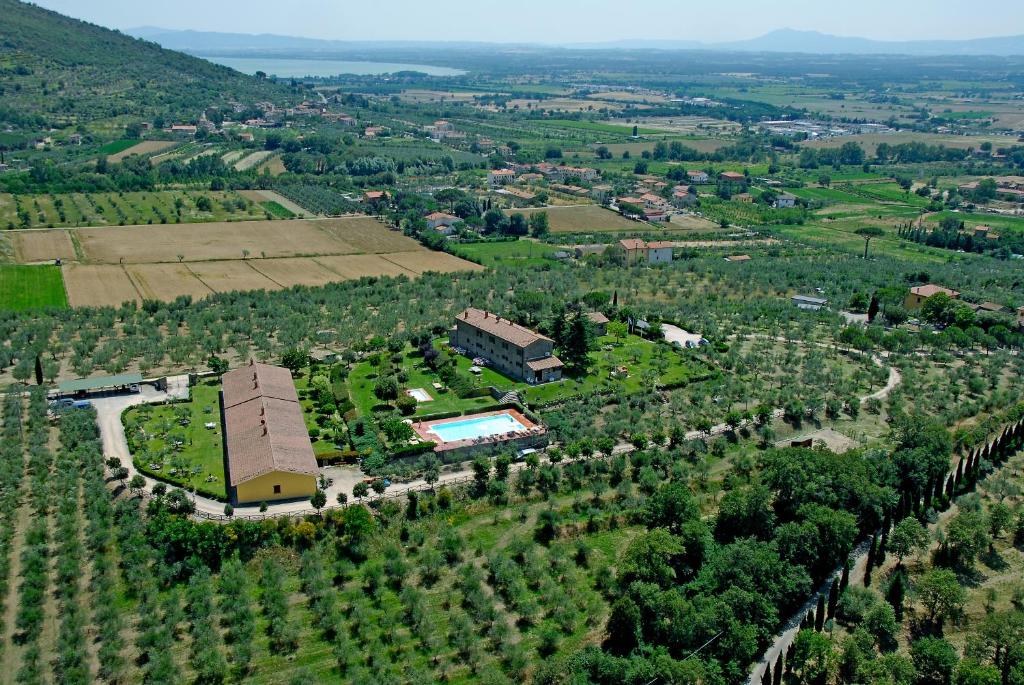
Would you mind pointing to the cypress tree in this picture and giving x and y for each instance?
(39, 371)
(777, 675)
(871, 560)
(844, 579)
(833, 598)
(766, 677)
(896, 593)
(819, 614)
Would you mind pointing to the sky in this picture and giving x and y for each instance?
(559, 21)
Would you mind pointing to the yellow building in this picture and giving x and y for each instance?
(269, 454)
(920, 293)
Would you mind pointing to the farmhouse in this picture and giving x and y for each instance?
(376, 196)
(732, 177)
(684, 198)
(920, 293)
(500, 177)
(188, 129)
(697, 176)
(269, 455)
(508, 347)
(658, 252)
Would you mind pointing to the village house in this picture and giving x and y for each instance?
(187, 129)
(732, 177)
(561, 173)
(683, 199)
(500, 177)
(437, 219)
(657, 216)
(601, 193)
(652, 201)
(638, 251)
(268, 452)
(245, 137)
(598, 322)
(376, 196)
(508, 347)
(697, 176)
(785, 200)
(918, 294)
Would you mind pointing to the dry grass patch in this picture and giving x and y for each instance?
(231, 275)
(583, 219)
(42, 246)
(368, 235)
(259, 196)
(251, 160)
(166, 281)
(98, 285)
(295, 271)
(420, 262)
(361, 265)
(146, 147)
(209, 241)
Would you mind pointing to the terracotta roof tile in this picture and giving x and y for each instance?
(520, 336)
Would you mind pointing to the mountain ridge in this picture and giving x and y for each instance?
(786, 40)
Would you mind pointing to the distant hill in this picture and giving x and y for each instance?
(782, 40)
(791, 40)
(58, 71)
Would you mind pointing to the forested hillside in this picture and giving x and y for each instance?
(57, 71)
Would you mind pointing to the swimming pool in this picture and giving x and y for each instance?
(480, 427)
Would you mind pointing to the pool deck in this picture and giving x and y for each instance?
(422, 429)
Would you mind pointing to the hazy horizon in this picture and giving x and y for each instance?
(571, 21)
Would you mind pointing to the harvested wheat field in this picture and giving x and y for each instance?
(583, 219)
(294, 271)
(360, 265)
(421, 262)
(252, 159)
(231, 275)
(209, 241)
(166, 281)
(368, 235)
(146, 147)
(42, 246)
(98, 285)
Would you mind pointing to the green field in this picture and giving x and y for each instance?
(113, 147)
(276, 210)
(31, 287)
(171, 441)
(519, 253)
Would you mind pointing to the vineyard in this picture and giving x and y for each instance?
(319, 199)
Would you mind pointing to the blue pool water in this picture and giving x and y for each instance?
(483, 427)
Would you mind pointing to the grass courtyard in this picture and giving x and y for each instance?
(628, 364)
(172, 442)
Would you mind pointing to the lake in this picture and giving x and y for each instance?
(297, 68)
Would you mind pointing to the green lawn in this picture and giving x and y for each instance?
(113, 147)
(171, 441)
(518, 253)
(277, 210)
(645, 362)
(31, 287)
(595, 126)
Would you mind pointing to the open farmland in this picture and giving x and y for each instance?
(29, 287)
(135, 263)
(583, 219)
(252, 159)
(99, 285)
(146, 147)
(41, 246)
